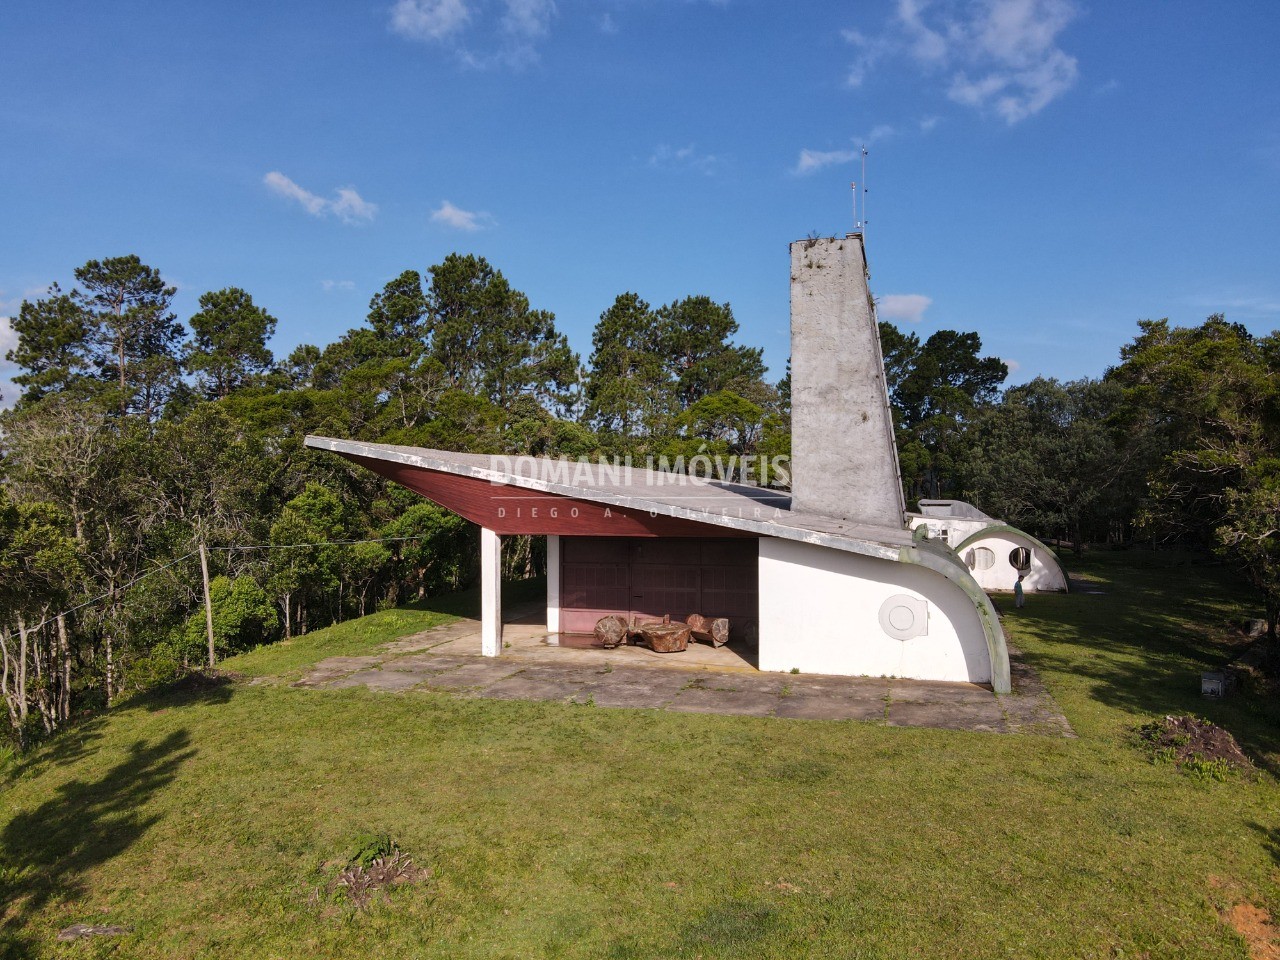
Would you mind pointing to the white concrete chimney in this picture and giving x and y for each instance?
(844, 462)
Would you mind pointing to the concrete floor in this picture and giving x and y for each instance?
(533, 666)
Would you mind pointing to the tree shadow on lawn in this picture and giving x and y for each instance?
(1143, 646)
(45, 853)
(1270, 838)
(82, 738)
(466, 603)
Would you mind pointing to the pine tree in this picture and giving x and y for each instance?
(134, 336)
(228, 349)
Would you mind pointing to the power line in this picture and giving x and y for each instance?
(87, 603)
(319, 543)
(227, 549)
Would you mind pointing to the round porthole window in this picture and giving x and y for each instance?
(1020, 559)
(904, 617)
(980, 558)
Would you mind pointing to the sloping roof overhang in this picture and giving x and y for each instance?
(505, 492)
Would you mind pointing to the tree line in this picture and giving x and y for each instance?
(136, 438)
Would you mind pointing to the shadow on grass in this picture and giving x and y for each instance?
(1270, 838)
(45, 853)
(729, 928)
(81, 739)
(466, 603)
(1143, 644)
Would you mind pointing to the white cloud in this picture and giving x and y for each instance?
(282, 186)
(1019, 94)
(607, 24)
(870, 52)
(481, 34)
(350, 207)
(879, 132)
(459, 219)
(347, 205)
(811, 160)
(924, 43)
(329, 286)
(529, 18)
(1013, 365)
(903, 306)
(429, 19)
(1002, 56)
(665, 155)
(8, 340)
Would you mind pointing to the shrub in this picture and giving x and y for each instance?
(368, 847)
(243, 617)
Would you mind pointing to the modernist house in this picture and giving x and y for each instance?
(996, 553)
(826, 579)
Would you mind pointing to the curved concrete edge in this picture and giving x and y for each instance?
(1007, 528)
(925, 553)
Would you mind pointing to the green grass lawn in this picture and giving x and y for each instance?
(287, 658)
(206, 820)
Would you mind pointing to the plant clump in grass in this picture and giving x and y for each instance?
(375, 864)
(1195, 745)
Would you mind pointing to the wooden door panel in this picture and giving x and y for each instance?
(654, 578)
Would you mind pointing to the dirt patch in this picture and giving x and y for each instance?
(1255, 927)
(1196, 744)
(362, 883)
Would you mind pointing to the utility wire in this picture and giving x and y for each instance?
(227, 549)
(320, 543)
(87, 603)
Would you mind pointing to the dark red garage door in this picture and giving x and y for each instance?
(653, 577)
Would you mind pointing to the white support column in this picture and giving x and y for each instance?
(490, 593)
(553, 588)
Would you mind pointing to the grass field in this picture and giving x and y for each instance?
(207, 820)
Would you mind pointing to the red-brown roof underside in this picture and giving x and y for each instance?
(513, 510)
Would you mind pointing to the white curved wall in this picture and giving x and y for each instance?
(1044, 575)
(819, 613)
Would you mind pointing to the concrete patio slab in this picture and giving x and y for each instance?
(702, 680)
(924, 691)
(618, 695)
(426, 663)
(524, 687)
(479, 673)
(984, 718)
(748, 703)
(830, 708)
(383, 680)
(853, 688)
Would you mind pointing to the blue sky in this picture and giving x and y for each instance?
(1045, 172)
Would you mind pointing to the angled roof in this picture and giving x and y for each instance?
(951, 509)
(738, 507)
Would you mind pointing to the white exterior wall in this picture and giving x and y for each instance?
(553, 588)
(1044, 573)
(490, 593)
(950, 530)
(820, 608)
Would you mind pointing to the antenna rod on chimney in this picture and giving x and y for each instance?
(857, 224)
(864, 191)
